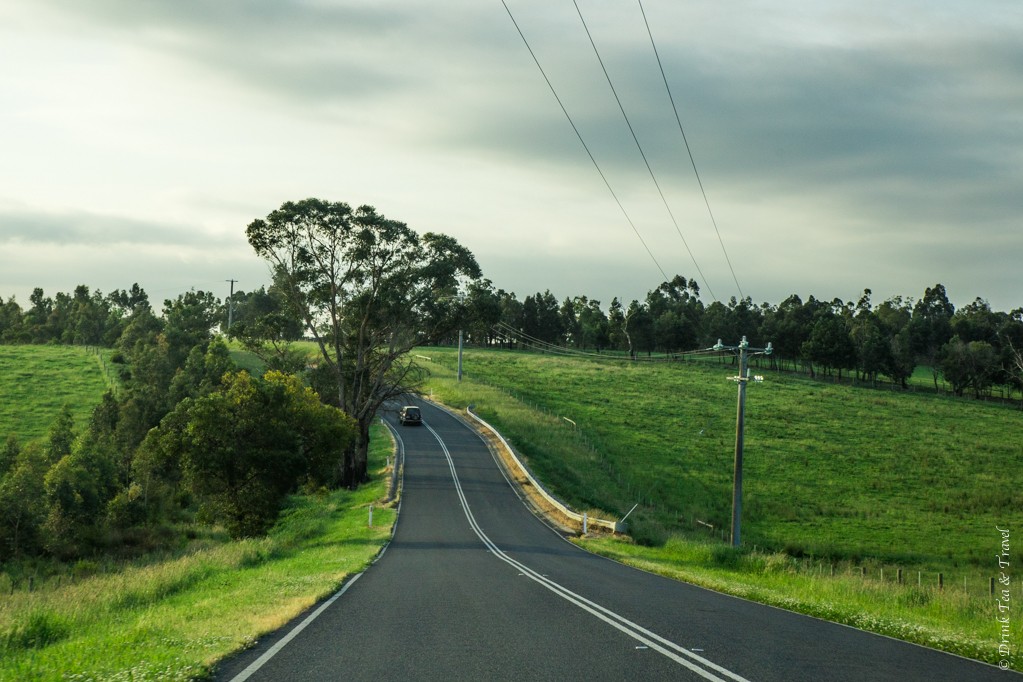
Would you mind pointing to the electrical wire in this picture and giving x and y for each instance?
(509, 333)
(692, 160)
(639, 146)
(583, 142)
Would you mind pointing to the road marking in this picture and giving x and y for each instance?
(272, 651)
(637, 632)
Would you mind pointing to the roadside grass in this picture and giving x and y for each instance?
(173, 618)
(952, 619)
(37, 381)
(863, 480)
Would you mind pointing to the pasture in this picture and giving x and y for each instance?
(831, 471)
(37, 381)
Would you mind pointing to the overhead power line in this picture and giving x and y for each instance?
(582, 141)
(639, 146)
(506, 331)
(688, 150)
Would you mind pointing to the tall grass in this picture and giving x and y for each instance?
(172, 618)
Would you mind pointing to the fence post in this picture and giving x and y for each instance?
(584, 522)
(370, 516)
(941, 581)
(900, 576)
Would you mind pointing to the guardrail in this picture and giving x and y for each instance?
(584, 520)
(399, 462)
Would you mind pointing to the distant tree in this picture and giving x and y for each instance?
(731, 322)
(267, 326)
(931, 327)
(542, 319)
(571, 334)
(616, 334)
(968, 365)
(62, 436)
(639, 329)
(9, 454)
(592, 324)
(130, 301)
(188, 322)
(976, 322)
(202, 373)
(829, 345)
(37, 315)
(12, 322)
(483, 312)
(22, 503)
(677, 312)
(77, 490)
(789, 325)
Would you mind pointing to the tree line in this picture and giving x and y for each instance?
(972, 349)
(190, 438)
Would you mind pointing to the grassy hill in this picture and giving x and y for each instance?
(831, 471)
(37, 381)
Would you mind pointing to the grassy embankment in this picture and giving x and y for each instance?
(37, 381)
(836, 479)
(170, 616)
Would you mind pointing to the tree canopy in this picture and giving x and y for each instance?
(368, 289)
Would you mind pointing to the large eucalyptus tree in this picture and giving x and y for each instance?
(368, 289)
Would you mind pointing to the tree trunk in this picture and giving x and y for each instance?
(355, 461)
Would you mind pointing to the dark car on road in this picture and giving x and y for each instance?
(410, 415)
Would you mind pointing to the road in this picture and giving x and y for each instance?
(474, 587)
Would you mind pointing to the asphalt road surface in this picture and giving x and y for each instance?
(474, 587)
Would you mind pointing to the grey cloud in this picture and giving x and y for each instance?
(90, 229)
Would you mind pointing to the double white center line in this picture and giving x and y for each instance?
(698, 664)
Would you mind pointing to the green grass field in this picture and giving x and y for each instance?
(37, 381)
(831, 471)
(173, 617)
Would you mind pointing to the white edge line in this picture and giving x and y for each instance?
(272, 651)
(620, 623)
(275, 649)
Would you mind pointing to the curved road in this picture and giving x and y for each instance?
(474, 587)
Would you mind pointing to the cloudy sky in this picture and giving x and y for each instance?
(841, 145)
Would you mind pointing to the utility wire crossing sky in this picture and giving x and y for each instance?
(808, 148)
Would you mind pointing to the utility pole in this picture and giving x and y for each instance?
(744, 352)
(230, 305)
(460, 334)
